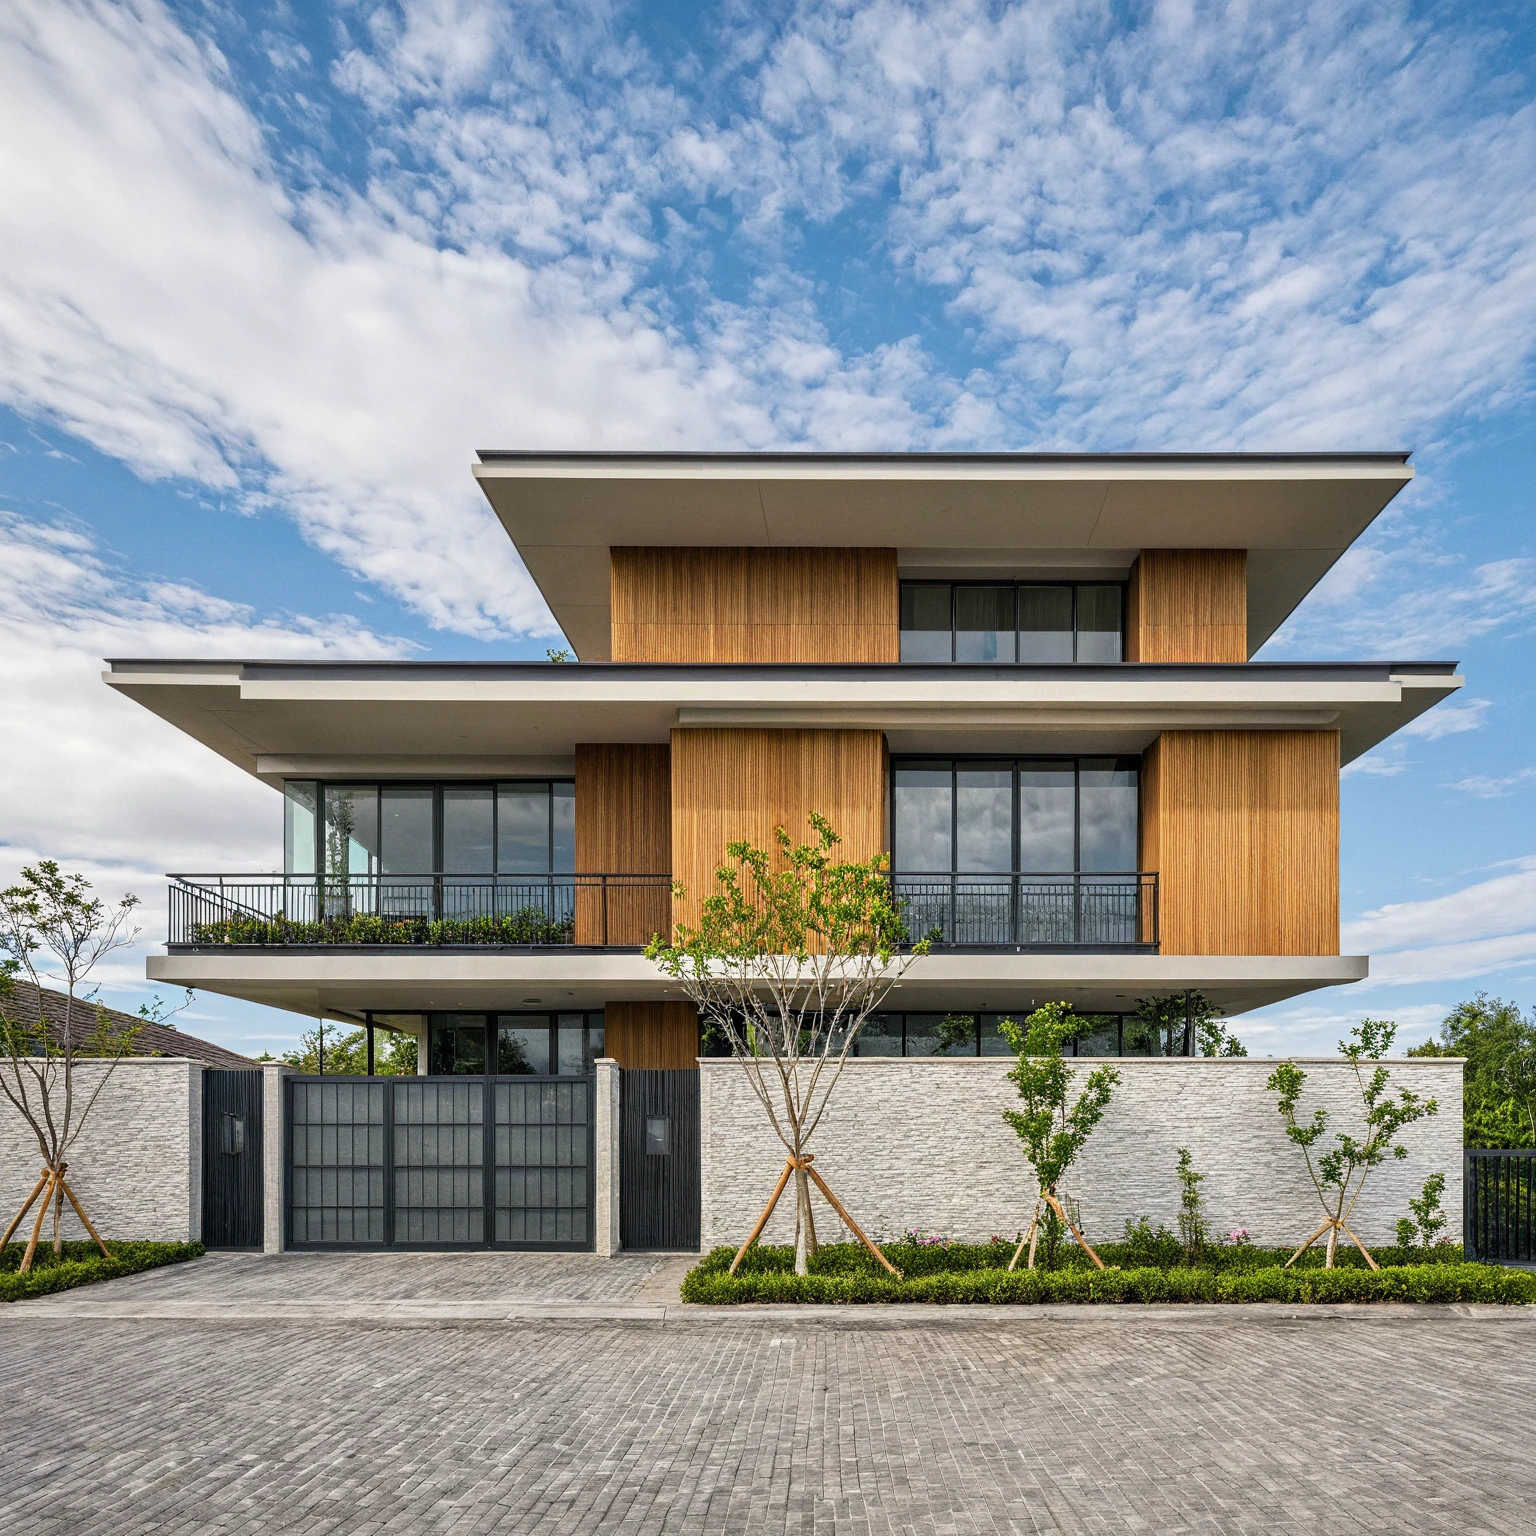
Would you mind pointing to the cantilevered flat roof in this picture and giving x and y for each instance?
(285, 719)
(964, 514)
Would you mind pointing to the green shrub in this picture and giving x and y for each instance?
(528, 925)
(978, 1273)
(81, 1263)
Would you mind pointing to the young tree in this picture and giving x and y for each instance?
(789, 958)
(1339, 1174)
(52, 930)
(1186, 1022)
(1192, 1224)
(1428, 1218)
(1052, 1133)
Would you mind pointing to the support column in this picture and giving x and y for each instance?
(605, 1214)
(273, 1157)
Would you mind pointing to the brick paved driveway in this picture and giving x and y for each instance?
(1156, 1420)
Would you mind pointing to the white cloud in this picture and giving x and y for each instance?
(1449, 720)
(1487, 787)
(1376, 765)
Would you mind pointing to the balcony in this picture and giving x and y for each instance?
(600, 911)
(1018, 911)
(1004, 912)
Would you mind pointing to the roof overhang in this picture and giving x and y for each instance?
(961, 514)
(464, 720)
(400, 981)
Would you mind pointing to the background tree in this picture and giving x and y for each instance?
(346, 1052)
(1499, 1083)
(54, 932)
(1339, 1174)
(1162, 1025)
(790, 956)
(1052, 1134)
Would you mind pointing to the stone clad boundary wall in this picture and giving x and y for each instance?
(923, 1144)
(138, 1165)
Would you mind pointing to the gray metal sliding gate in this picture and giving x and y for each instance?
(416, 1162)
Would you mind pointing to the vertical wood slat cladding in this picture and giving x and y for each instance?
(762, 605)
(730, 784)
(656, 1036)
(1188, 605)
(1243, 830)
(623, 826)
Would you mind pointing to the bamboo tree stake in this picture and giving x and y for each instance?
(85, 1221)
(791, 1163)
(1335, 1225)
(762, 1221)
(848, 1220)
(1031, 1237)
(20, 1216)
(37, 1226)
(1028, 1237)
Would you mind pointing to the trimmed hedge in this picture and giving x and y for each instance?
(82, 1264)
(843, 1273)
(528, 925)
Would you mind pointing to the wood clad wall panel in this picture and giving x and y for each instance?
(623, 827)
(762, 605)
(1188, 605)
(1243, 830)
(659, 1036)
(730, 784)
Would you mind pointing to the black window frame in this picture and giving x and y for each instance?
(979, 1016)
(495, 1018)
(437, 786)
(1016, 583)
(956, 760)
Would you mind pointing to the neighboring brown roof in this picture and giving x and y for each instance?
(151, 1040)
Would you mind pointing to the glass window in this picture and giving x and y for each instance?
(993, 1041)
(351, 829)
(469, 829)
(984, 817)
(300, 807)
(984, 624)
(596, 1040)
(879, 1036)
(1099, 623)
(1140, 1039)
(927, 622)
(523, 1047)
(458, 1045)
(1107, 791)
(522, 829)
(1045, 624)
(1100, 1035)
(940, 1034)
(562, 822)
(923, 798)
(1047, 817)
(571, 1045)
(405, 829)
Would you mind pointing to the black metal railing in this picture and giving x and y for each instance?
(1031, 911)
(592, 910)
(1499, 1205)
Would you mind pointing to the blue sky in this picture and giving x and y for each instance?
(272, 272)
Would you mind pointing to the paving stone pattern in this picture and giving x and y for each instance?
(923, 1143)
(1098, 1420)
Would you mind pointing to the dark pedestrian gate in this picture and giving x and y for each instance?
(440, 1162)
(659, 1160)
(232, 1158)
(1498, 1192)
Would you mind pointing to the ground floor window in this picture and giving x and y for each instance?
(976, 1034)
(514, 1044)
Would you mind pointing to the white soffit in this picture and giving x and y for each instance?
(1295, 514)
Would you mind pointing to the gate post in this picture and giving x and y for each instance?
(606, 1203)
(274, 1157)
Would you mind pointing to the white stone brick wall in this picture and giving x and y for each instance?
(138, 1165)
(923, 1144)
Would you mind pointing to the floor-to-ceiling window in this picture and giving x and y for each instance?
(515, 1044)
(977, 1034)
(1031, 622)
(1018, 850)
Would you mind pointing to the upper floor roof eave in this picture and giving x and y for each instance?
(963, 513)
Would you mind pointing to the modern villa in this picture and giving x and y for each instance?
(1025, 677)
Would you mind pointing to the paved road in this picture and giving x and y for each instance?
(588, 1417)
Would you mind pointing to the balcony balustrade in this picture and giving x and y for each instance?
(1005, 911)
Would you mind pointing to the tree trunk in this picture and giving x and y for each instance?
(58, 1217)
(805, 1231)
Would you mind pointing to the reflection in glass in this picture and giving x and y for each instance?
(1099, 623)
(562, 822)
(1140, 1039)
(983, 817)
(1108, 803)
(993, 1042)
(523, 1048)
(984, 628)
(522, 829)
(1045, 624)
(924, 801)
(458, 1045)
(596, 1033)
(926, 622)
(351, 829)
(1100, 1035)
(941, 1034)
(405, 829)
(469, 846)
(880, 1036)
(570, 1046)
(300, 805)
(1047, 812)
